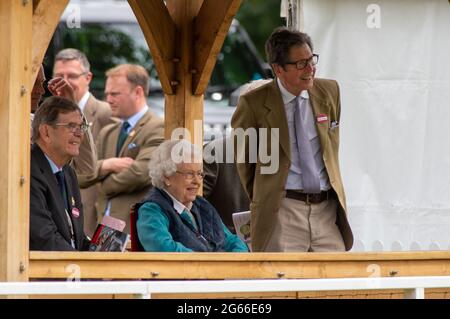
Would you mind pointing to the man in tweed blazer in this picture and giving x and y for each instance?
(302, 115)
(124, 148)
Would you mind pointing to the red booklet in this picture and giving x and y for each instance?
(109, 236)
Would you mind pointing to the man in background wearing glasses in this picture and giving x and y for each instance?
(56, 212)
(84, 165)
(73, 66)
(300, 207)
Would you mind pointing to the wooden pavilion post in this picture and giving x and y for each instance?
(46, 16)
(27, 27)
(185, 38)
(15, 88)
(183, 108)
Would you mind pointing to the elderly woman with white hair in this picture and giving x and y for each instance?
(173, 218)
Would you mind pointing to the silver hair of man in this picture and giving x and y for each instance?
(168, 155)
(74, 54)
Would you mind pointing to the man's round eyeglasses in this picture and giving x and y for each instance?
(74, 127)
(301, 64)
(191, 175)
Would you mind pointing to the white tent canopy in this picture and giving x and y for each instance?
(391, 60)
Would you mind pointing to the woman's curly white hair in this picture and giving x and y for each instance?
(168, 155)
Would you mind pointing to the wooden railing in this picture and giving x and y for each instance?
(216, 266)
(237, 265)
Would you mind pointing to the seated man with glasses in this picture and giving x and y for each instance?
(56, 212)
(173, 218)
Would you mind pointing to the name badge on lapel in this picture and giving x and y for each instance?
(322, 118)
(75, 212)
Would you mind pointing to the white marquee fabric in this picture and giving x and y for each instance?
(394, 74)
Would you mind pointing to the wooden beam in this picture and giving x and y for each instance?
(15, 88)
(183, 109)
(160, 33)
(185, 59)
(211, 28)
(238, 265)
(46, 16)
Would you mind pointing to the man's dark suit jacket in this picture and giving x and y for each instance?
(222, 186)
(49, 227)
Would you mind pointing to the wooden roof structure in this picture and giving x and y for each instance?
(185, 38)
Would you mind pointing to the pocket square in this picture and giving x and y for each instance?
(132, 150)
(334, 125)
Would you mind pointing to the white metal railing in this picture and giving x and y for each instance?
(414, 287)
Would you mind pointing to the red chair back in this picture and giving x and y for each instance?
(135, 243)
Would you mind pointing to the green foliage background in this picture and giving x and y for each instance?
(260, 17)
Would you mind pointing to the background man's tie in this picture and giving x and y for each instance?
(122, 136)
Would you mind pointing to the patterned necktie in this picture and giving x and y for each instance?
(310, 175)
(62, 187)
(122, 136)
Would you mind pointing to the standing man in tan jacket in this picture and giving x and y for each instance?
(124, 148)
(73, 65)
(297, 199)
